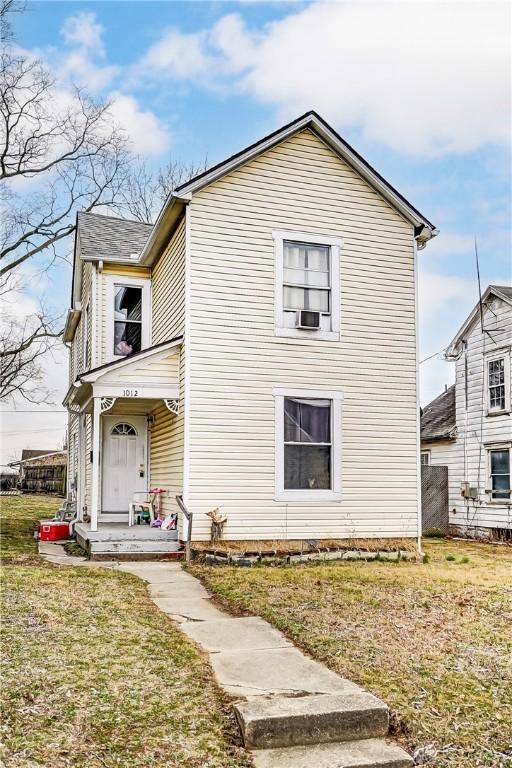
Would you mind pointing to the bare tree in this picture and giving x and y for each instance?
(60, 152)
(145, 191)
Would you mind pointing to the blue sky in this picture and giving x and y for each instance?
(422, 90)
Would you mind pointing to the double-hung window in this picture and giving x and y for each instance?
(499, 473)
(128, 316)
(496, 384)
(307, 281)
(308, 444)
(127, 319)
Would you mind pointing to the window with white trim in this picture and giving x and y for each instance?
(128, 316)
(499, 473)
(308, 444)
(307, 285)
(425, 458)
(496, 389)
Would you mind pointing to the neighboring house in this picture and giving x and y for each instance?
(256, 350)
(42, 471)
(469, 427)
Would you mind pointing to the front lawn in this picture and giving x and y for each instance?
(93, 674)
(432, 639)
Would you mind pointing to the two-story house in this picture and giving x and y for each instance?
(256, 350)
(468, 428)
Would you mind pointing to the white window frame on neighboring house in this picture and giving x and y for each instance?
(335, 244)
(308, 495)
(425, 455)
(119, 281)
(498, 447)
(500, 354)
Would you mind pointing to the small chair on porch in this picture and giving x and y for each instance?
(141, 507)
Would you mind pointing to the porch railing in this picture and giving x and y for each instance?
(189, 516)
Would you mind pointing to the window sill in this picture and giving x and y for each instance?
(308, 496)
(298, 333)
(504, 412)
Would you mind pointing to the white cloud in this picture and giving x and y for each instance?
(147, 135)
(451, 244)
(82, 29)
(423, 78)
(177, 55)
(436, 290)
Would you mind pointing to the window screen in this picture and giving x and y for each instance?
(307, 444)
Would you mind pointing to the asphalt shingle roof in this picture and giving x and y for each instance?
(110, 238)
(439, 417)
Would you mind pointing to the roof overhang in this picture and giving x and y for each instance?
(165, 224)
(452, 351)
(104, 382)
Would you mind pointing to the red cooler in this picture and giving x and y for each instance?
(53, 530)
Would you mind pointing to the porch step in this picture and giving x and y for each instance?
(285, 721)
(367, 753)
(117, 540)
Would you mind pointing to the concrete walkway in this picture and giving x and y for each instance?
(293, 711)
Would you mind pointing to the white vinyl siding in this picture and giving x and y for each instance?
(237, 360)
(167, 431)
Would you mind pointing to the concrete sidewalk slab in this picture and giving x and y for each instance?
(275, 671)
(236, 634)
(190, 609)
(370, 753)
(288, 721)
(180, 589)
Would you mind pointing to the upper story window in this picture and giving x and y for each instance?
(307, 285)
(308, 444)
(498, 382)
(128, 316)
(127, 319)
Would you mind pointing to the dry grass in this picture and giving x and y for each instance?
(434, 640)
(302, 545)
(94, 676)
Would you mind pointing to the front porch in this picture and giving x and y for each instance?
(129, 428)
(136, 541)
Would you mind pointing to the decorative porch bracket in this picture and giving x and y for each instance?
(74, 408)
(107, 403)
(173, 405)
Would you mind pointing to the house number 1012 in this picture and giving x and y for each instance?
(130, 392)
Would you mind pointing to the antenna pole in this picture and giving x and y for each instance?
(479, 287)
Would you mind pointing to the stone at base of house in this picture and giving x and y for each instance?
(219, 557)
(480, 533)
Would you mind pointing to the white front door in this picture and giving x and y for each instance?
(124, 466)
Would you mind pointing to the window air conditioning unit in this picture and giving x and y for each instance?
(308, 320)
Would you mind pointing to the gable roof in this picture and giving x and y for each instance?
(424, 229)
(503, 292)
(319, 126)
(438, 418)
(111, 238)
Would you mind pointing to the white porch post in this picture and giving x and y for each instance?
(95, 491)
